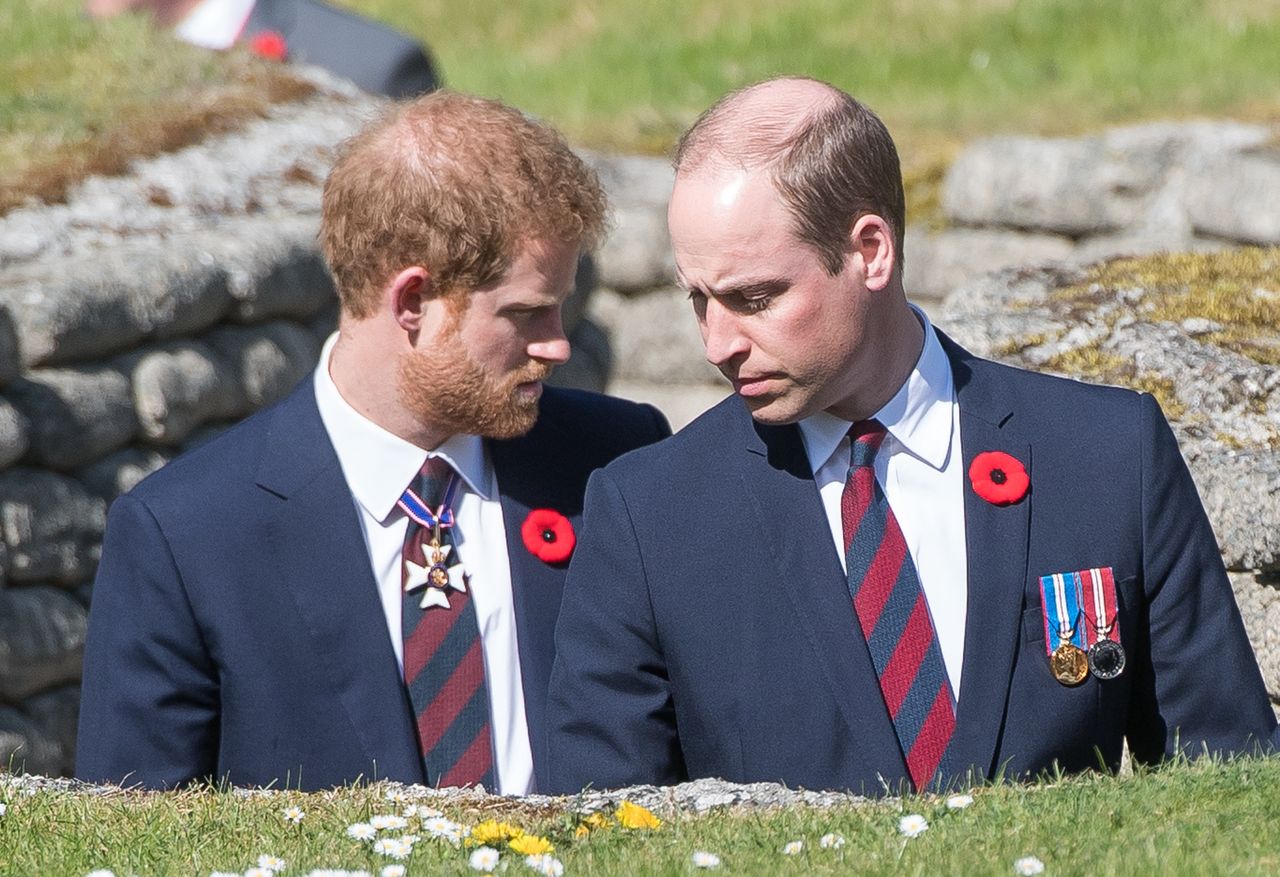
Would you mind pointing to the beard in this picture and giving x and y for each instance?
(453, 392)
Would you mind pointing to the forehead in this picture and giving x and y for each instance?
(544, 267)
(726, 221)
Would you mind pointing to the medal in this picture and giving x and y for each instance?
(1106, 655)
(1106, 658)
(1069, 664)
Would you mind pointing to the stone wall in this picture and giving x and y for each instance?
(155, 308)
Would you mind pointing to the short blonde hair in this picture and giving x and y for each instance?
(456, 184)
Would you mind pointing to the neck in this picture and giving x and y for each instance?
(899, 340)
(363, 366)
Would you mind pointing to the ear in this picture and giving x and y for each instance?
(873, 243)
(407, 295)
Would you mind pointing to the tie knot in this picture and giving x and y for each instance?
(432, 479)
(865, 438)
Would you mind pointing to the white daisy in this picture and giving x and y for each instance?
(101, 872)
(831, 841)
(703, 859)
(421, 811)
(362, 831)
(224, 874)
(392, 871)
(274, 864)
(1028, 866)
(393, 848)
(484, 859)
(913, 825)
(545, 864)
(438, 826)
(294, 815)
(3, 808)
(397, 796)
(386, 822)
(259, 872)
(793, 848)
(959, 802)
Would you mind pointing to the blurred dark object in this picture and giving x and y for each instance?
(376, 57)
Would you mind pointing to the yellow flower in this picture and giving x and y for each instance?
(491, 832)
(634, 816)
(596, 821)
(531, 845)
(580, 832)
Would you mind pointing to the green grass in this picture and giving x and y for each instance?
(625, 75)
(1184, 819)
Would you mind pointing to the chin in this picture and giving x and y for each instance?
(773, 412)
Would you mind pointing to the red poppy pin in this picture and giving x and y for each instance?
(998, 478)
(548, 535)
(269, 44)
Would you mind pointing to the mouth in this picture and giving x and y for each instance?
(749, 386)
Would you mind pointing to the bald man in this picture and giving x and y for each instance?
(887, 564)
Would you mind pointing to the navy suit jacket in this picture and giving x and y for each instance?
(707, 628)
(374, 56)
(236, 630)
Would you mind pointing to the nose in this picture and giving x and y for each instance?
(721, 335)
(552, 347)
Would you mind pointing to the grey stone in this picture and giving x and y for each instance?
(1237, 197)
(14, 433)
(41, 641)
(585, 280)
(1259, 600)
(636, 254)
(324, 324)
(268, 360)
(1100, 248)
(940, 262)
(588, 366)
(275, 267)
(52, 526)
(1070, 187)
(24, 747)
(654, 337)
(76, 414)
(71, 309)
(56, 713)
(180, 386)
(1241, 494)
(119, 472)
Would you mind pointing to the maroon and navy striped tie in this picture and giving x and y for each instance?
(443, 659)
(894, 616)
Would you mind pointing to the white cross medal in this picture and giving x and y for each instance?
(437, 577)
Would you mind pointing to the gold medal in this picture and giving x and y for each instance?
(1069, 664)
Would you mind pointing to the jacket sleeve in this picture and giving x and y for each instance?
(149, 698)
(1202, 689)
(611, 721)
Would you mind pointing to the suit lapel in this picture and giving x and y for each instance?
(316, 544)
(531, 475)
(996, 546)
(777, 477)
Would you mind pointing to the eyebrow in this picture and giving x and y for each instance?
(748, 289)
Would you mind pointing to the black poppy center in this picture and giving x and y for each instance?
(998, 476)
(548, 535)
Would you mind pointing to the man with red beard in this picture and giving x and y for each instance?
(362, 581)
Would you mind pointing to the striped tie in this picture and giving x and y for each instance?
(443, 659)
(893, 613)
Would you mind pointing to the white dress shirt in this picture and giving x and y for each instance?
(214, 24)
(921, 469)
(378, 466)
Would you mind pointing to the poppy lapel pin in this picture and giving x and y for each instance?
(269, 44)
(548, 535)
(998, 478)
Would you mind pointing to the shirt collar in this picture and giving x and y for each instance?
(214, 24)
(919, 416)
(378, 464)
